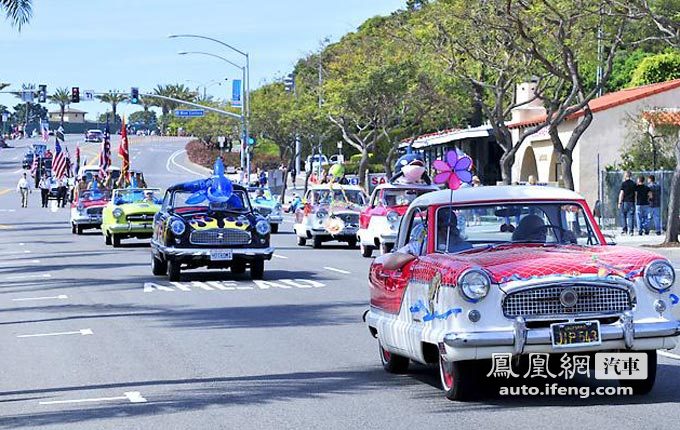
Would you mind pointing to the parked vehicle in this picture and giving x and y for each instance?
(188, 235)
(94, 135)
(330, 213)
(266, 205)
(130, 213)
(379, 222)
(514, 270)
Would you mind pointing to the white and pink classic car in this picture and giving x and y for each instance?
(514, 271)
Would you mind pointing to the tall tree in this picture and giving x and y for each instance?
(61, 97)
(18, 12)
(114, 98)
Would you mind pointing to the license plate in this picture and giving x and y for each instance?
(220, 255)
(575, 334)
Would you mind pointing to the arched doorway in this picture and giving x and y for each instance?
(529, 166)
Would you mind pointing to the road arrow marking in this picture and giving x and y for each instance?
(25, 299)
(131, 396)
(333, 269)
(82, 332)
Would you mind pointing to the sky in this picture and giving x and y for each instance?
(117, 44)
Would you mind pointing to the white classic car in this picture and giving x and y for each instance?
(379, 222)
(515, 271)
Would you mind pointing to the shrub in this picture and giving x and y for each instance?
(356, 158)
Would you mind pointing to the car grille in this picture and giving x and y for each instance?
(139, 218)
(94, 211)
(545, 301)
(220, 236)
(350, 220)
(264, 211)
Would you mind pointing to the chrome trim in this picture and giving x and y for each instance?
(628, 329)
(205, 252)
(465, 272)
(520, 335)
(648, 284)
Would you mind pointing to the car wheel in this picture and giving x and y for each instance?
(115, 239)
(301, 241)
(392, 362)
(643, 386)
(257, 269)
(275, 228)
(79, 229)
(460, 379)
(107, 239)
(352, 243)
(238, 268)
(366, 250)
(173, 270)
(158, 266)
(317, 242)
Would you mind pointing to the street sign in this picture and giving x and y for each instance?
(27, 92)
(236, 93)
(88, 95)
(189, 113)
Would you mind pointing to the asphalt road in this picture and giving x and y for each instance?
(92, 340)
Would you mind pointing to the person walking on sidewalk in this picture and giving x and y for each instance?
(655, 204)
(627, 204)
(642, 197)
(44, 186)
(22, 188)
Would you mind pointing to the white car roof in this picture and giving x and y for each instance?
(337, 187)
(397, 186)
(496, 193)
(94, 130)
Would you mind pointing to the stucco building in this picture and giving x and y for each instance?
(73, 116)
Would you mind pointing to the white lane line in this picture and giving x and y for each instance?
(7, 210)
(281, 256)
(173, 160)
(333, 269)
(82, 332)
(20, 262)
(131, 396)
(20, 277)
(26, 299)
(669, 355)
(15, 252)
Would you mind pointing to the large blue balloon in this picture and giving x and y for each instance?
(217, 189)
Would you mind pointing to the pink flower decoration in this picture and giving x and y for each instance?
(454, 171)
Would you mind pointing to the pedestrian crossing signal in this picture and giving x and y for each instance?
(75, 95)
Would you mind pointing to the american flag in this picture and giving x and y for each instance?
(45, 126)
(34, 166)
(105, 153)
(60, 163)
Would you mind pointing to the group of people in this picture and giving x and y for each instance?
(641, 200)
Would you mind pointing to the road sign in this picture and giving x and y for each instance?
(189, 113)
(27, 92)
(236, 93)
(88, 95)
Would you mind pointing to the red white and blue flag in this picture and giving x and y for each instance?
(105, 153)
(60, 163)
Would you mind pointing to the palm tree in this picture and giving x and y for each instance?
(17, 11)
(113, 98)
(147, 102)
(177, 91)
(61, 97)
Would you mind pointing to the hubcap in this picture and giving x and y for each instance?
(385, 354)
(446, 375)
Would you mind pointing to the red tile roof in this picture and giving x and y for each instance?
(663, 117)
(610, 100)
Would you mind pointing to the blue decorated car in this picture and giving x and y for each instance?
(266, 205)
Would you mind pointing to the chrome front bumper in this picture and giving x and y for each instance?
(352, 231)
(388, 237)
(205, 252)
(275, 219)
(131, 228)
(86, 220)
(625, 329)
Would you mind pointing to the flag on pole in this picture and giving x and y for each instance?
(45, 130)
(59, 164)
(60, 133)
(124, 153)
(34, 166)
(77, 159)
(105, 153)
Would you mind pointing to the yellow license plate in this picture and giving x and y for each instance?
(575, 334)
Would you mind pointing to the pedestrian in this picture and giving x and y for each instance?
(293, 173)
(141, 182)
(642, 197)
(263, 178)
(627, 204)
(44, 186)
(61, 192)
(655, 204)
(23, 189)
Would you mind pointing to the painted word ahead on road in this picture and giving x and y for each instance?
(285, 284)
(189, 113)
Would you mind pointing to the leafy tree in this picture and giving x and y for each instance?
(657, 68)
(18, 12)
(61, 97)
(212, 125)
(36, 113)
(643, 151)
(177, 91)
(114, 98)
(143, 119)
(109, 116)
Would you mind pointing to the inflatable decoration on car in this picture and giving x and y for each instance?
(216, 189)
(410, 168)
(334, 225)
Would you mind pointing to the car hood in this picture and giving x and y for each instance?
(92, 203)
(338, 208)
(508, 263)
(139, 208)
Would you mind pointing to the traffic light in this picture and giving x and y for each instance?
(251, 141)
(42, 93)
(289, 83)
(134, 95)
(75, 95)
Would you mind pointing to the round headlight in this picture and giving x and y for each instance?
(392, 216)
(660, 276)
(474, 284)
(321, 214)
(177, 226)
(117, 212)
(262, 227)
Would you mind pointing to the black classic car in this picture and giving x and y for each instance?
(194, 228)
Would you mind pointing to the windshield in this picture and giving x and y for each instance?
(88, 195)
(396, 197)
(136, 195)
(238, 203)
(333, 196)
(464, 228)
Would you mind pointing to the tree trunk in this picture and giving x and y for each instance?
(507, 160)
(113, 108)
(389, 160)
(567, 160)
(363, 166)
(63, 111)
(673, 222)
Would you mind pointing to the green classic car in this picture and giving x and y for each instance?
(130, 213)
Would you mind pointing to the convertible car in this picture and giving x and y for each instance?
(86, 211)
(218, 235)
(267, 206)
(330, 212)
(129, 214)
(514, 271)
(379, 222)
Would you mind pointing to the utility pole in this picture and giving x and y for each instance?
(318, 175)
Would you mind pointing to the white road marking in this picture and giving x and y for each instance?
(7, 210)
(669, 355)
(20, 262)
(20, 277)
(82, 332)
(131, 396)
(25, 299)
(173, 160)
(285, 284)
(15, 252)
(280, 256)
(333, 269)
